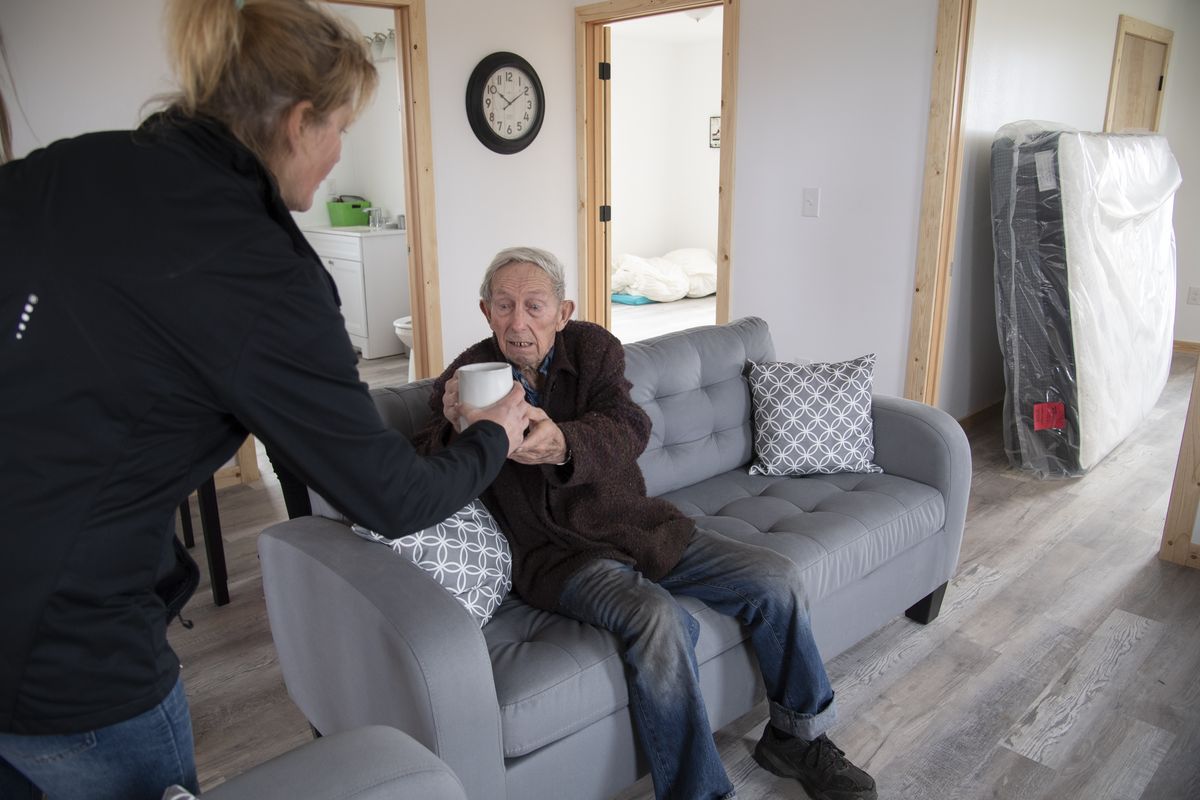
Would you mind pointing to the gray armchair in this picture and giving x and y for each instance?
(371, 763)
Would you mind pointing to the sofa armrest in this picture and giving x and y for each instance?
(917, 441)
(372, 763)
(365, 637)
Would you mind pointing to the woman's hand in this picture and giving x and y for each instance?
(450, 403)
(511, 413)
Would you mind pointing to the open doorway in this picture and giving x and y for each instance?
(665, 137)
(411, 71)
(369, 262)
(599, 70)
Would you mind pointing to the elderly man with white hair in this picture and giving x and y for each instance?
(589, 543)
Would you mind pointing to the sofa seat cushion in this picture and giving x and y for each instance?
(555, 676)
(837, 528)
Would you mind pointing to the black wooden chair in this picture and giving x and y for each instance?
(210, 528)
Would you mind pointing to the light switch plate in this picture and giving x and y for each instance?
(811, 202)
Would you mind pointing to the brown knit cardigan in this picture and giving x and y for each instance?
(557, 519)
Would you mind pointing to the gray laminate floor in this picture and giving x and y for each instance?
(1065, 663)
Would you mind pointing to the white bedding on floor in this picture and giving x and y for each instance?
(687, 272)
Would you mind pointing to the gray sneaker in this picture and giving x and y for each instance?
(820, 766)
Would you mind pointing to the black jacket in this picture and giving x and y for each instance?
(156, 303)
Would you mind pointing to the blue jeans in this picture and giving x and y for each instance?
(132, 760)
(757, 586)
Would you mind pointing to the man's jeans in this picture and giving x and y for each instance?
(132, 760)
(757, 586)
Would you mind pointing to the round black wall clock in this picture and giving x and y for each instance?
(505, 102)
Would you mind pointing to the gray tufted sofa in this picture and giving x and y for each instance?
(534, 705)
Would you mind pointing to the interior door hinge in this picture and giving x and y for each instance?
(1160, 82)
(605, 70)
(605, 213)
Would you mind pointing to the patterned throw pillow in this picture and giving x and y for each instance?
(813, 418)
(466, 553)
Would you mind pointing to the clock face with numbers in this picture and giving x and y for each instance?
(505, 102)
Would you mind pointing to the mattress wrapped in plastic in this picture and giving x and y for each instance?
(1085, 288)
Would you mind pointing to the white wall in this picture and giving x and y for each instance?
(70, 78)
(835, 96)
(487, 201)
(1181, 124)
(372, 164)
(1035, 60)
(374, 145)
(80, 67)
(665, 177)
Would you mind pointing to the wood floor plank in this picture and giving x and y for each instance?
(1114, 761)
(1006, 775)
(882, 732)
(1178, 775)
(1060, 716)
(970, 721)
(867, 670)
(1033, 592)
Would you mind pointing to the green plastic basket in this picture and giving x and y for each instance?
(344, 214)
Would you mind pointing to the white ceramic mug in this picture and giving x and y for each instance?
(481, 385)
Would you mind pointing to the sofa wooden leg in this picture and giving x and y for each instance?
(928, 607)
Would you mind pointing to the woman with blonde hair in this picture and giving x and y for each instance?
(181, 309)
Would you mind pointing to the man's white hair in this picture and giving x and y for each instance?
(543, 259)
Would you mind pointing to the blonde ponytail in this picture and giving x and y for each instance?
(248, 63)
(202, 41)
(6, 153)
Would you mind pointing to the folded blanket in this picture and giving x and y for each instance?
(689, 272)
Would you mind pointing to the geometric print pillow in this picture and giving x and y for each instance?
(812, 418)
(466, 553)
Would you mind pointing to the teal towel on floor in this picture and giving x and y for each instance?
(631, 299)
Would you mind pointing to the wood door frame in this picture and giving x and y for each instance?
(592, 146)
(1177, 545)
(1136, 27)
(424, 287)
(939, 201)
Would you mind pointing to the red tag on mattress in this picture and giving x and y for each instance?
(1049, 415)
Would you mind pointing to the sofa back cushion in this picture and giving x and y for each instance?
(405, 408)
(693, 385)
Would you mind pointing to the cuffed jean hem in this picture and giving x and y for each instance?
(803, 726)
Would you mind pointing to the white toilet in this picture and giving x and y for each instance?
(404, 332)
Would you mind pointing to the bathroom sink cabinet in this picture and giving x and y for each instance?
(370, 269)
